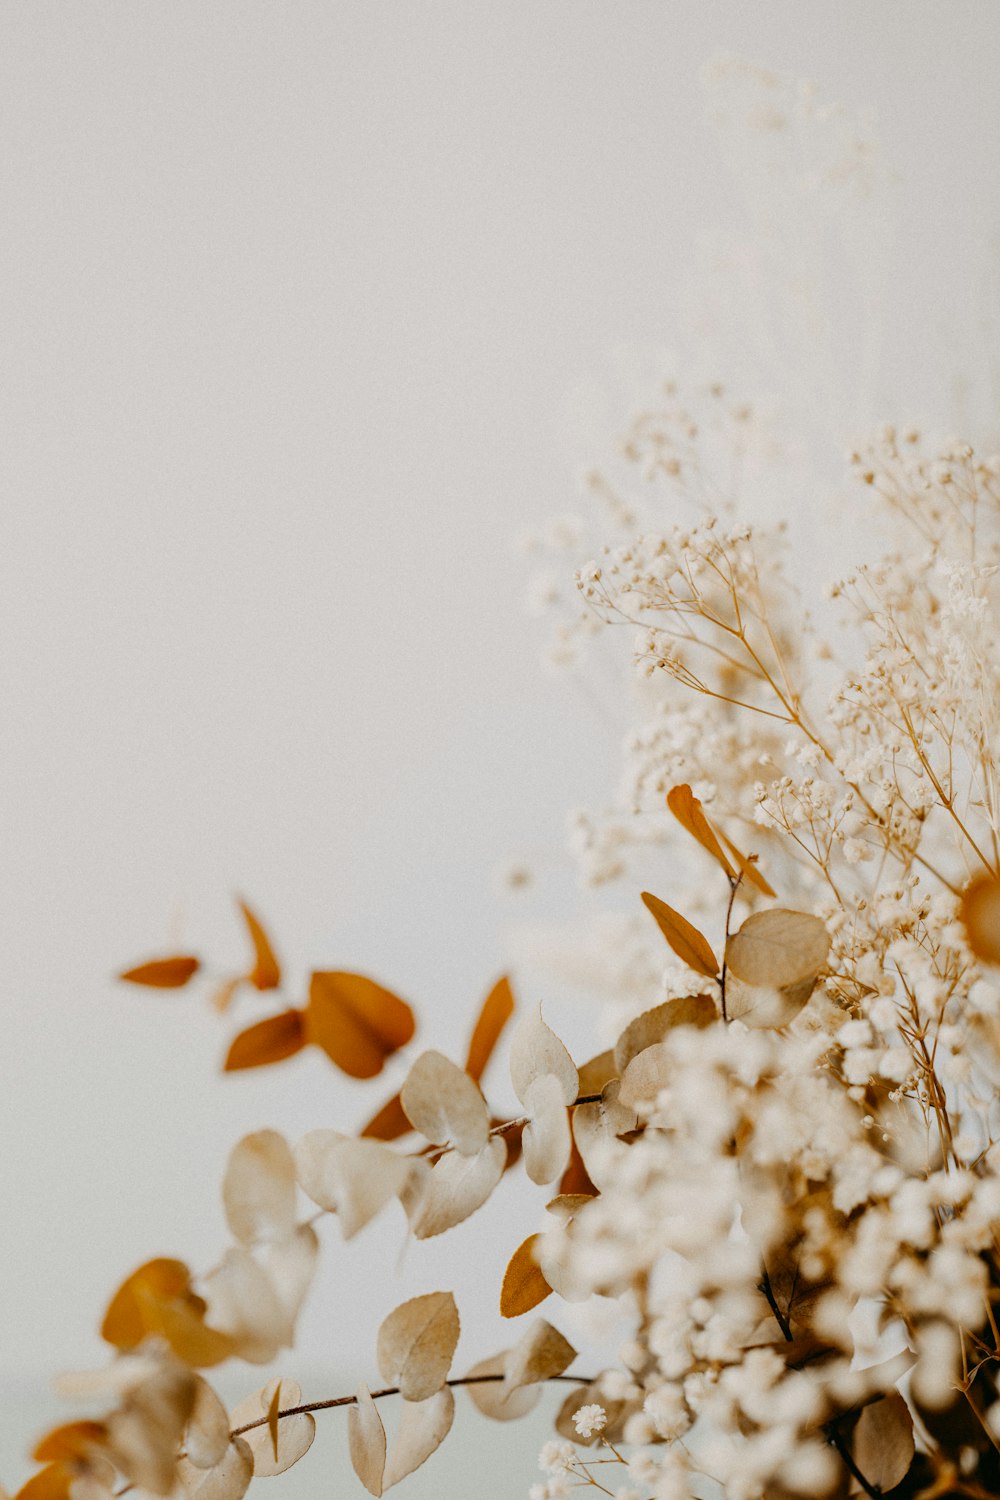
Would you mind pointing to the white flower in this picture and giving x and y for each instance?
(590, 1419)
(668, 1411)
(555, 1457)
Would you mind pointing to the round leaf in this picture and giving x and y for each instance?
(652, 1026)
(778, 948)
(244, 1304)
(145, 1431)
(645, 1076)
(423, 1427)
(357, 1022)
(366, 1439)
(125, 1323)
(227, 1480)
(491, 1398)
(535, 1050)
(456, 1186)
(354, 1179)
(764, 1006)
(295, 1433)
(883, 1442)
(445, 1105)
(207, 1436)
(546, 1138)
(524, 1285)
(539, 1355)
(258, 1190)
(416, 1344)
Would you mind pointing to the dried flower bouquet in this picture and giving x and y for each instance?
(785, 1168)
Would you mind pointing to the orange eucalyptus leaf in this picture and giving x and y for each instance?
(979, 913)
(689, 812)
(181, 1321)
(164, 973)
(576, 1179)
(267, 1041)
(222, 997)
(157, 1298)
(124, 1323)
(272, 1418)
(357, 1022)
(266, 972)
(498, 1007)
(71, 1440)
(687, 942)
(748, 867)
(389, 1123)
(51, 1483)
(524, 1285)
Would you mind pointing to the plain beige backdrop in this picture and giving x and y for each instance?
(297, 301)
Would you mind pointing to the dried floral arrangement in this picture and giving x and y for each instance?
(785, 1166)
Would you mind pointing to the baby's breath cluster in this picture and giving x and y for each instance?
(805, 1210)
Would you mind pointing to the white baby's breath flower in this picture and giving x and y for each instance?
(556, 1457)
(590, 1419)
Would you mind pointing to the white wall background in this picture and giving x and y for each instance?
(293, 301)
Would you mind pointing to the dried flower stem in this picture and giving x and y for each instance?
(392, 1390)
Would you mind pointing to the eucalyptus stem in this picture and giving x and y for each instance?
(393, 1390)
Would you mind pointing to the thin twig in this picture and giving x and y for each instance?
(847, 1458)
(734, 885)
(522, 1120)
(831, 1429)
(772, 1302)
(392, 1390)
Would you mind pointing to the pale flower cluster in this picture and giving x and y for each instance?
(806, 1217)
